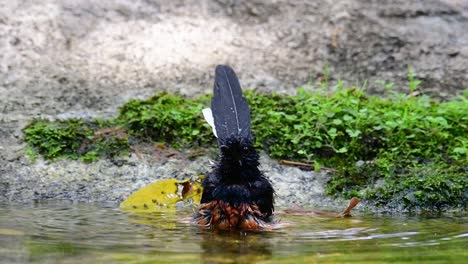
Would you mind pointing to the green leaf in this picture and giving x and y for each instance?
(317, 166)
(342, 150)
(332, 132)
(337, 122)
(347, 118)
(353, 133)
(459, 150)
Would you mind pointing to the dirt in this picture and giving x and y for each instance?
(84, 58)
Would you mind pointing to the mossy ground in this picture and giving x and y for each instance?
(394, 150)
(76, 139)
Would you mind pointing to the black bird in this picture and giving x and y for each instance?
(236, 194)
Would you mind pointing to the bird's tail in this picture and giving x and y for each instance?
(230, 110)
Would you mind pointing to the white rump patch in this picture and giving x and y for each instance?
(208, 115)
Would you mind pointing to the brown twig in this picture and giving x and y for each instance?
(352, 203)
(137, 152)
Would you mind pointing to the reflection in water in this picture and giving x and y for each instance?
(239, 247)
(86, 233)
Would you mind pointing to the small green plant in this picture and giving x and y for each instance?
(324, 82)
(412, 81)
(388, 86)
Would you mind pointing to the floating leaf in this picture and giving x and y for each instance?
(163, 194)
(192, 190)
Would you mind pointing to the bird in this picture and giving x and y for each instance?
(236, 193)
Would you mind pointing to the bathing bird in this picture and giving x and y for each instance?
(236, 194)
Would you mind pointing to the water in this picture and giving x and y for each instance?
(87, 233)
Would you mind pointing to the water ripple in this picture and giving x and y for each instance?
(55, 232)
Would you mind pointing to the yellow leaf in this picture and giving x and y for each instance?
(192, 190)
(163, 194)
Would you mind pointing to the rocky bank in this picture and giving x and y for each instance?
(84, 58)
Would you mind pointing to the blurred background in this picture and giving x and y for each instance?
(85, 58)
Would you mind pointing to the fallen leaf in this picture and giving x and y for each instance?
(163, 194)
(192, 190)
(352, 203)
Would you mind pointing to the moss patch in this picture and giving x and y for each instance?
(397, 150)
(76, 139)
(167, 118)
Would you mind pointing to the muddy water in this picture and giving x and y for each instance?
(89, 233)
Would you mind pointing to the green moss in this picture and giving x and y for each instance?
(432, 186)
(168, 118)
(416, 145)
(414, 149)
(74, 139)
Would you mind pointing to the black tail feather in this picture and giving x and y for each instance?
(231, 111)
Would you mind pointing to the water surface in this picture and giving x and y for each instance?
(90, 233)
